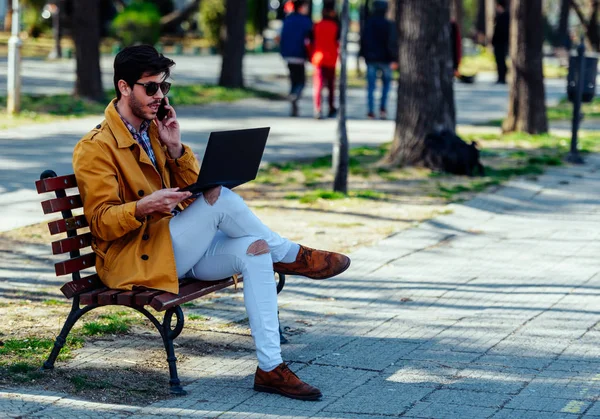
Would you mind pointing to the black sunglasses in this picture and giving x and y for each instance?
(152, 87)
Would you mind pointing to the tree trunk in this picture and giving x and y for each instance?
(490, 17)
(86, 36)
(171, 21)
(592, 32)
(527, 103)
(562, 37)
(425, 88)
(480, 22)
(232, 74)
(340, 158)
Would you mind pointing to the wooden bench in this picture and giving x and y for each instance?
(88, 292)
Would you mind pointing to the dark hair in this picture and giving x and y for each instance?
(501, 3)
(328, 7)
(298, 4)
(132, 63)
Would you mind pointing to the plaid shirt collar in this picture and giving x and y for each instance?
(140, 136)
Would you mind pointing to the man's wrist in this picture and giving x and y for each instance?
(176, 152)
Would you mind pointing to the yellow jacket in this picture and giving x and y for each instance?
(113, 172)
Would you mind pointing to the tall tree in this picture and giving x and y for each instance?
(86, 36)
(590, 23)
(425, 88)
(563, 24)
(234, 46)
(527, 103)
(340, 148)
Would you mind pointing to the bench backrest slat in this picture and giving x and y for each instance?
(75, 264)
(71, 243)
(62, 204)
(53, 184)
(67, 224)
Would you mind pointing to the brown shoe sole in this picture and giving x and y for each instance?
(264, 389)
(285, 272)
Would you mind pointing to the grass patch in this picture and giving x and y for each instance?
(198, 317)
(83, 382)
(21, 359)
(504, 156)
(118, 323)
(564, 110)
(484, 61)
(53, 302)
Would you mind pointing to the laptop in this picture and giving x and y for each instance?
(231, 158)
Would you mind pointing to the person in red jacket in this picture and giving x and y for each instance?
(324, 50)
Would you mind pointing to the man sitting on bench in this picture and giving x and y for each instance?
(149, 234)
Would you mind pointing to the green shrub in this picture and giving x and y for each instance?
(212, 20)
(138, 23)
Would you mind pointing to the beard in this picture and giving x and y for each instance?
(140, 109)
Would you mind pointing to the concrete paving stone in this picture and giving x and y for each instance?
(530, 346)
(368, 353)
(563, 387)
(434, 410)
(468, 398)
(518, 361)
(441, 356)
(379, 397)
(426, 373)
(334, 382)
(345, 415)
(479, 378)
(525, 401)
(574, 365)
(530, 414)
(594, 410)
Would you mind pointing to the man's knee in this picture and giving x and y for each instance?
(259, 247)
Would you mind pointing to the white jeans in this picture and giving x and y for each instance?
(211, 242)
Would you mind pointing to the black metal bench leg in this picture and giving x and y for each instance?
(280, 285)
(74, 315)
(168, 336)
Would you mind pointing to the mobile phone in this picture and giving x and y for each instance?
(161, 113)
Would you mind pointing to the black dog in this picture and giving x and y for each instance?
(445, 151)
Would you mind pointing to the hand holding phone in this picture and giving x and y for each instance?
(162, 111)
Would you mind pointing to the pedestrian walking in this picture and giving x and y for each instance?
(379, 47)
(500, 39)
(324, 50)
(295, 39)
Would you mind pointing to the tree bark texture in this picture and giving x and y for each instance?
(232, 74)
(527, 102)
(425, 87)
(592, 33)
(86, 36)
(340, 160)
(563, 24)
(490, 16)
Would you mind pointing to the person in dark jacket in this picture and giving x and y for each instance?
(295, 38)
(379, 47)
(500, 39)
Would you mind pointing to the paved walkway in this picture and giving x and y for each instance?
(488, 312)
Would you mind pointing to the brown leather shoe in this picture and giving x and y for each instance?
(315, 264)
(283, 381)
